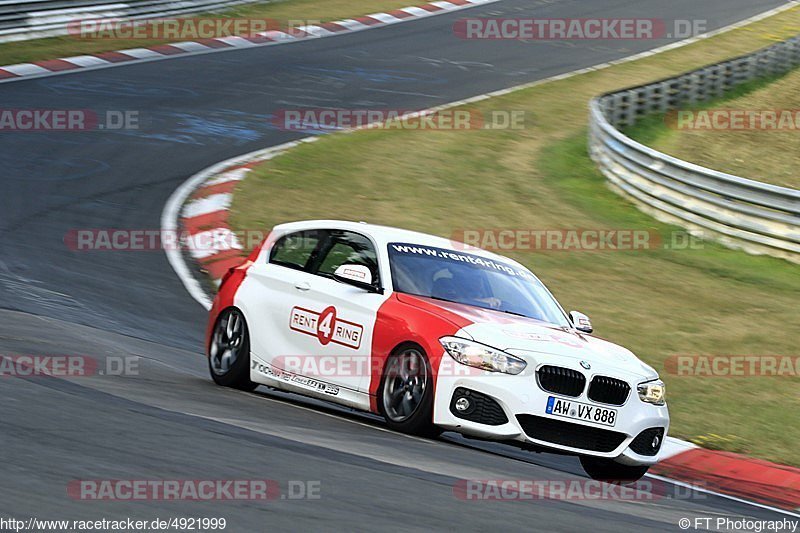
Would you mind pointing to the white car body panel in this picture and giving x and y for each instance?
(274, 294)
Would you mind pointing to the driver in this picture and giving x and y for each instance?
(467, 285)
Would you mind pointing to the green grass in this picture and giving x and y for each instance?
(709, 301)
(280, 10)
(762, 155)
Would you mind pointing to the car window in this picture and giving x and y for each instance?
(346, 247)
(469, 279)
(296, 249)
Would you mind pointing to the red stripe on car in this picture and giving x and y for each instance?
(401, 319)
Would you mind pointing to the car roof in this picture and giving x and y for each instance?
(383, 235)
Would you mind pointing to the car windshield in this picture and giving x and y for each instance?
(469, 279)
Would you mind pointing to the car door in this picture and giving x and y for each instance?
(273, 287)
(334, 321)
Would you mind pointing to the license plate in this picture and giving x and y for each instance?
(581, 411)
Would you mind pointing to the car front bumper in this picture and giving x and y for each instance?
(521, 396)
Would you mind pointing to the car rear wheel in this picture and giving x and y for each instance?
(406, 396)
(229, 353)
(610, 471)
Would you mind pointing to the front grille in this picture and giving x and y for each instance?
(643, 443)
(569, 434)
(609, 390)
(483, 409)
(561, 380)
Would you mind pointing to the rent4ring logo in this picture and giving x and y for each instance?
(326, 327)
(568, 29)
(24, 120)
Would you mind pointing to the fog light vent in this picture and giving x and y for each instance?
(648, 442)
(476, 407)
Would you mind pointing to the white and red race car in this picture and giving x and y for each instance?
(434, 335)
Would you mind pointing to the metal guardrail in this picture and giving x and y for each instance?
(739, 212)
(34, 19)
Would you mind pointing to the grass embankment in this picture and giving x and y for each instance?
(709, 301)
(767, 152)
(280, 11)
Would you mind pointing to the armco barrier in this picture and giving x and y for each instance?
(739, 212)
(33, 19)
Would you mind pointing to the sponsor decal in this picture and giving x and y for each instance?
(291, 377)
(452, 256)
(355, 274)
(327, 327)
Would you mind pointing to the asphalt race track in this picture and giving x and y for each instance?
(170, 421)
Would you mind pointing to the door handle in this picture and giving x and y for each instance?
(302, 286)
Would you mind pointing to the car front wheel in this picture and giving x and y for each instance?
(406, 397)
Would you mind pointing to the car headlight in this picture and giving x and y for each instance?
(654, 392)
(479, 355)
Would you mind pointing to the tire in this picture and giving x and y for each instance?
(229, 352)
(610, 471)
(406, 393)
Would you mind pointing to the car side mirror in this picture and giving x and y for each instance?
(581, 322)
(357, 276)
